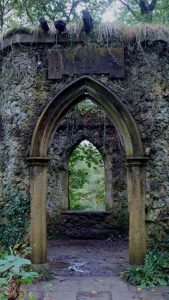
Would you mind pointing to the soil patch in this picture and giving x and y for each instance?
(87, 257)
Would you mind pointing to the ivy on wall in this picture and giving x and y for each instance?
(15, 215)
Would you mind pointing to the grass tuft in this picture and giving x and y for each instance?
(104, 34)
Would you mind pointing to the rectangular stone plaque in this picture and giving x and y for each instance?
(86, 60)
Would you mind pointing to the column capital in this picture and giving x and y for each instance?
(37, 161)
(136, 161)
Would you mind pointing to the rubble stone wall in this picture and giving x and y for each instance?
(25, 91)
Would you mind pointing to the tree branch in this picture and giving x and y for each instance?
(129, 8)
(28, 14)
(137, 2)
(73, 7)
(47, 13)
(152, 5)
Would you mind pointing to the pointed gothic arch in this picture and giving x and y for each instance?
(71, 153)
(79, 90)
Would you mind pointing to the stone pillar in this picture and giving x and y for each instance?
(136, 205)
(38, 191)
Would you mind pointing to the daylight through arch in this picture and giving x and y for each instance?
(86, 178)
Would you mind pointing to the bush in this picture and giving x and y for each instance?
(155, 271)
(12, 275)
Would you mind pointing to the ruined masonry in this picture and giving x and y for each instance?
(40, 81)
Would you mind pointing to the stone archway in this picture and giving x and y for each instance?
(124, 123)
(64, 174)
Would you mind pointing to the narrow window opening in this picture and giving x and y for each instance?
(86, 179)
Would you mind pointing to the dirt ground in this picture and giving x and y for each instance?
(89, 270)
(87, 257)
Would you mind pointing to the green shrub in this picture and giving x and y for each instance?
(155, 271)
(12, 275)
(44, 274)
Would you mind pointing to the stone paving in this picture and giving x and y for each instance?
(94, 288)
(96, 279)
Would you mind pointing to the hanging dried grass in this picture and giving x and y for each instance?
(104, 34)
(127, 34)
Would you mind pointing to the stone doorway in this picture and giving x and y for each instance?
(125, 125)
(87, 191)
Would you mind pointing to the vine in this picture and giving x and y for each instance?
(15, 213)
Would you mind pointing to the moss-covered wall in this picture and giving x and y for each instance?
(24, 93)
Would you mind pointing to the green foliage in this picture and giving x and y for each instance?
(84, 108)
(13, 274)
(20, 249)
(87, 153)
(154, 272)
(15, 212)
(132, 12)
(86, 178)
(31, 296)
(44, 274)
(133, 275)
(6, 11)
(59, 9)
(18, 13)
(26, 12)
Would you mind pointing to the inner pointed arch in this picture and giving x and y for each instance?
(86, 178)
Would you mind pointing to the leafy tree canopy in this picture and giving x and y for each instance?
(15, 13)
(27, 12)
(134, 11)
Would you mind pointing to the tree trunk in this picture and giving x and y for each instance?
(147, 9)
(1, 21)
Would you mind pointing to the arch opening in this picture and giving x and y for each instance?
(86, 179)
(78, 91)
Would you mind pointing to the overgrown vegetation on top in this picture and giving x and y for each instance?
(150, 19)
(116, 35)
(154, 272)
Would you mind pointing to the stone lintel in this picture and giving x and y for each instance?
(29, 39)
(37, 161)
(136, 161)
